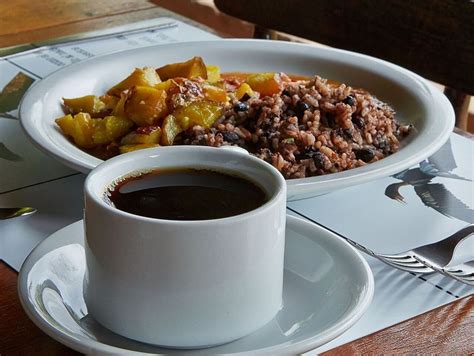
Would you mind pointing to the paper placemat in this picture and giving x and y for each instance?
(30, 178)
(434, 201)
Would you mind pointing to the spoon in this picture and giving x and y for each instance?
(7, 213)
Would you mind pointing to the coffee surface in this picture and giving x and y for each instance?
(186, 194)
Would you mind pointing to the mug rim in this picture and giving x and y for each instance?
(96, 173)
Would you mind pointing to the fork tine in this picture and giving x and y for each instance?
(466, 280)
(420, 268)
(395, 257)
(457, 274)
(462, 274)
(428, 267)
(454, 270)
(416, 270)
(407, 261)
(412, 268)
(408, 265)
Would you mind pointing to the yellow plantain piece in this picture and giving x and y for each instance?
(203, 113)
(146, 106)
(146, 77)
(213, 73)
(148, 135)
(164, 85)
(119, 109)
(89, 103)
(138, 146)
(80, 128)
(170, 129)
(89, 133)
(110, 101)
(193, 68)
(109, 129)
(214, 93)
(266, 84)
(242, 90)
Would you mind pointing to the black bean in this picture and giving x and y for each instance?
(358, 121)
(266, 126)
(310, 151)
(230, 137)
(329, 120)
(348, 133)
(383, 145)
(379, 140)
(365, 154)
(286, 92)
(318, 159)
(349, 100)
(338, 132)
(240, 106)
(307, 152)
(345, 133)
(301, 107)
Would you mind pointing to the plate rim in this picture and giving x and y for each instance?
(87, 346)
(298, 188)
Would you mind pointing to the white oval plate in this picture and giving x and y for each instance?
(410, 95)
(327, 287)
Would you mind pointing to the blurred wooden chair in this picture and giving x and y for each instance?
(433, 38)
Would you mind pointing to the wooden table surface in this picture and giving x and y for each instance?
(445, 330)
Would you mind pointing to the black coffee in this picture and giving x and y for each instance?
(186, 194)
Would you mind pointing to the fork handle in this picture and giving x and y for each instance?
(448, 244)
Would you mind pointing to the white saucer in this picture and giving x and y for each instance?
(327, 288)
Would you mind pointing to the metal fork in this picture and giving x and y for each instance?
(429, 258)
(425, 259)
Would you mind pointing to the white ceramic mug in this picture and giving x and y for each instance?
(184, 283)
